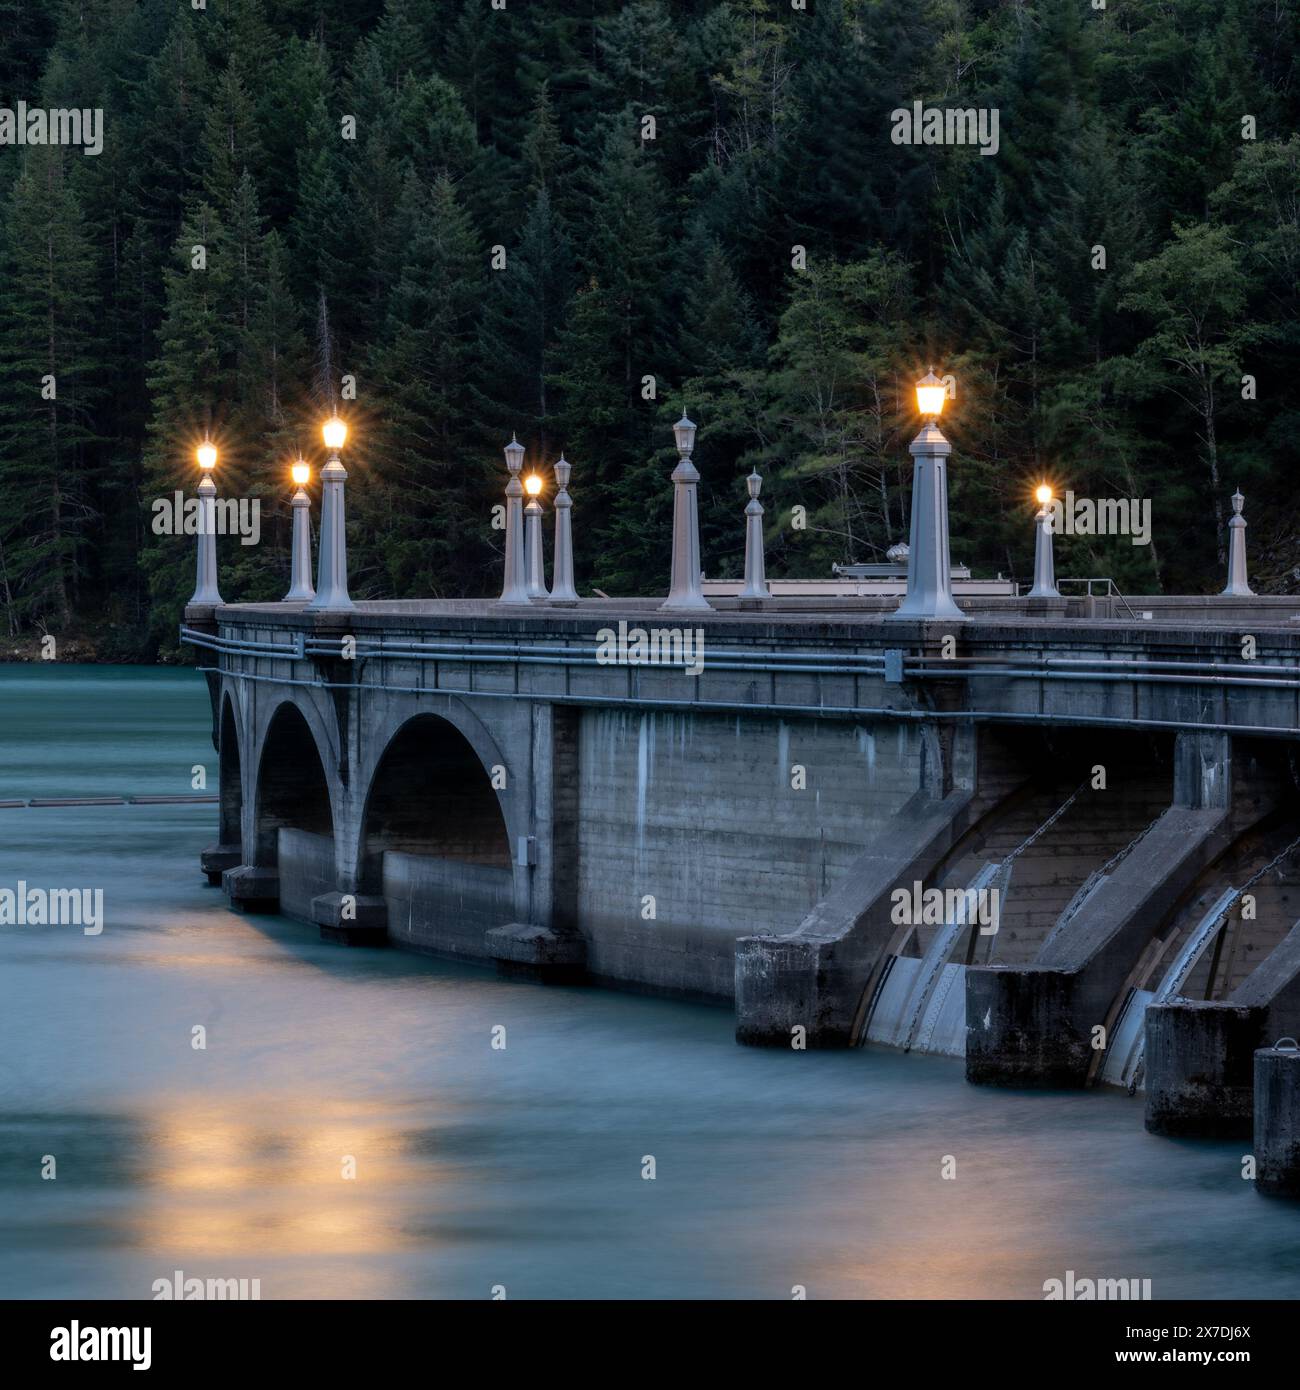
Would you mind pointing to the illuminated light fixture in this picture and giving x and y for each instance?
(1044, 560)
(335, 434)
(930, 395)
(206, 593)
(332, 562)
(301, 589)
(929, 566)
(534, 561)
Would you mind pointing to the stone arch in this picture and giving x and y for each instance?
(231, 782)
(292, 789)
(431, 794)
(434, 838)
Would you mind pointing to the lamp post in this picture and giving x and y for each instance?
(301, 589)
(684, 592)
(515, 588)
(332, 567)
(1238, 584)
(755, 570)
(563, 594)
(534, 559)
(205, 582)
(1044, 560)
(929, 568)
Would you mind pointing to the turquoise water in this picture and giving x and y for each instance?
(478, 1167)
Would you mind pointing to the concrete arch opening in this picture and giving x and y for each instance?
(434, 842)
(293, 824)
(292, 790)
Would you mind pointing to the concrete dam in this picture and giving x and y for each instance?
(1059, 838)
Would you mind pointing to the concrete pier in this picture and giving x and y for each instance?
(1277, 1120)
(1200, 1069)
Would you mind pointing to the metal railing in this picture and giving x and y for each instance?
(1109, 591)
(1270, 675)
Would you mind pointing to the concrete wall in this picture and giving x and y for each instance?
(306, 862)
(444, 905)
(701, 814)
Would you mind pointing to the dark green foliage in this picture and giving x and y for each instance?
(575, 220)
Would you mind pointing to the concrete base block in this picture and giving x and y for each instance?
(1020, 1028)
(534, 952)
(1200, 1060)
(781, 986)
(1277, 1121)
(252, 889)
(216, 859)
(350, 919)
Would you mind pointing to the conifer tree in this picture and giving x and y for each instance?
(47, 390)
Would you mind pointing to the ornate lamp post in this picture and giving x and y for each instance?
(1044, 560)
(1238, 584)
(563, 593)
(514, 589)
(684, 592)
(755, 569)
(929, 568)
(534, 559)
(332, 568)
(301, 589)
(205, 585)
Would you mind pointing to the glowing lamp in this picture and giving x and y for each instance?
(301, 473)
(1043, 494)
(533, 484)
(335, 434)
(206, 454)
(930, 395)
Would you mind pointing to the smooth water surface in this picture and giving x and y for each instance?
(478, 1167)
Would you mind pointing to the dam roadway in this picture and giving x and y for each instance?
(728, 810)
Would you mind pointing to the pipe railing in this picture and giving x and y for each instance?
(1133, 670)
(906, 713)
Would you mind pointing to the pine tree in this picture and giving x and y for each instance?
(522, 314)
(47, 370)
(424, 512)
(191, 383)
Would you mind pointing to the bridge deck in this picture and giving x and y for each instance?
(1211, 664)
(1272, 611)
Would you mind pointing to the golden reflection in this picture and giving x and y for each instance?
(271, 1185)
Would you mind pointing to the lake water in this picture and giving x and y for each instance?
(478, 1167)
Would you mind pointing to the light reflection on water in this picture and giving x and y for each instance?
(477, 1167)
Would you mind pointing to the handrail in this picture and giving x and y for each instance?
(1022, 667)
(1111, 590)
